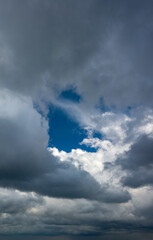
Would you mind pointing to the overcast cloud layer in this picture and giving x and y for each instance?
(100, 50)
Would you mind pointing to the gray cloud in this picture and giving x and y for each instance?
(13, 203)
(138, 163)
(138, 178)
(50, 39)
(97, 46)
(70, 218)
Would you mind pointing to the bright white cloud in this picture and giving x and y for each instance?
(119, 133)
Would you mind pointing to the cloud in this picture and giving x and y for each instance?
(138, 163)
(14, 202)
(102, 51)
(140, 155)
(78, 217)
(52, 40)
(28, 166)
(96, 46)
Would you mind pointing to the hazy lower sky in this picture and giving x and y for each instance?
(76, 119)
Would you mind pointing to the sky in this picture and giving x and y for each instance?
(76, 119)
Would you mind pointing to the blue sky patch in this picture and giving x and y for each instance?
(65, 134)
(97, 135)
(70, 95)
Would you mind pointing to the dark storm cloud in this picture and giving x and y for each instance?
(140, 155)
(139, 178)
(47, 36)
(138, 163)
(101, 47)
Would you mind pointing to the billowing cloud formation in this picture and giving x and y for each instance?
(27, 165)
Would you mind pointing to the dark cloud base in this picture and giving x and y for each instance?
(109, 236)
